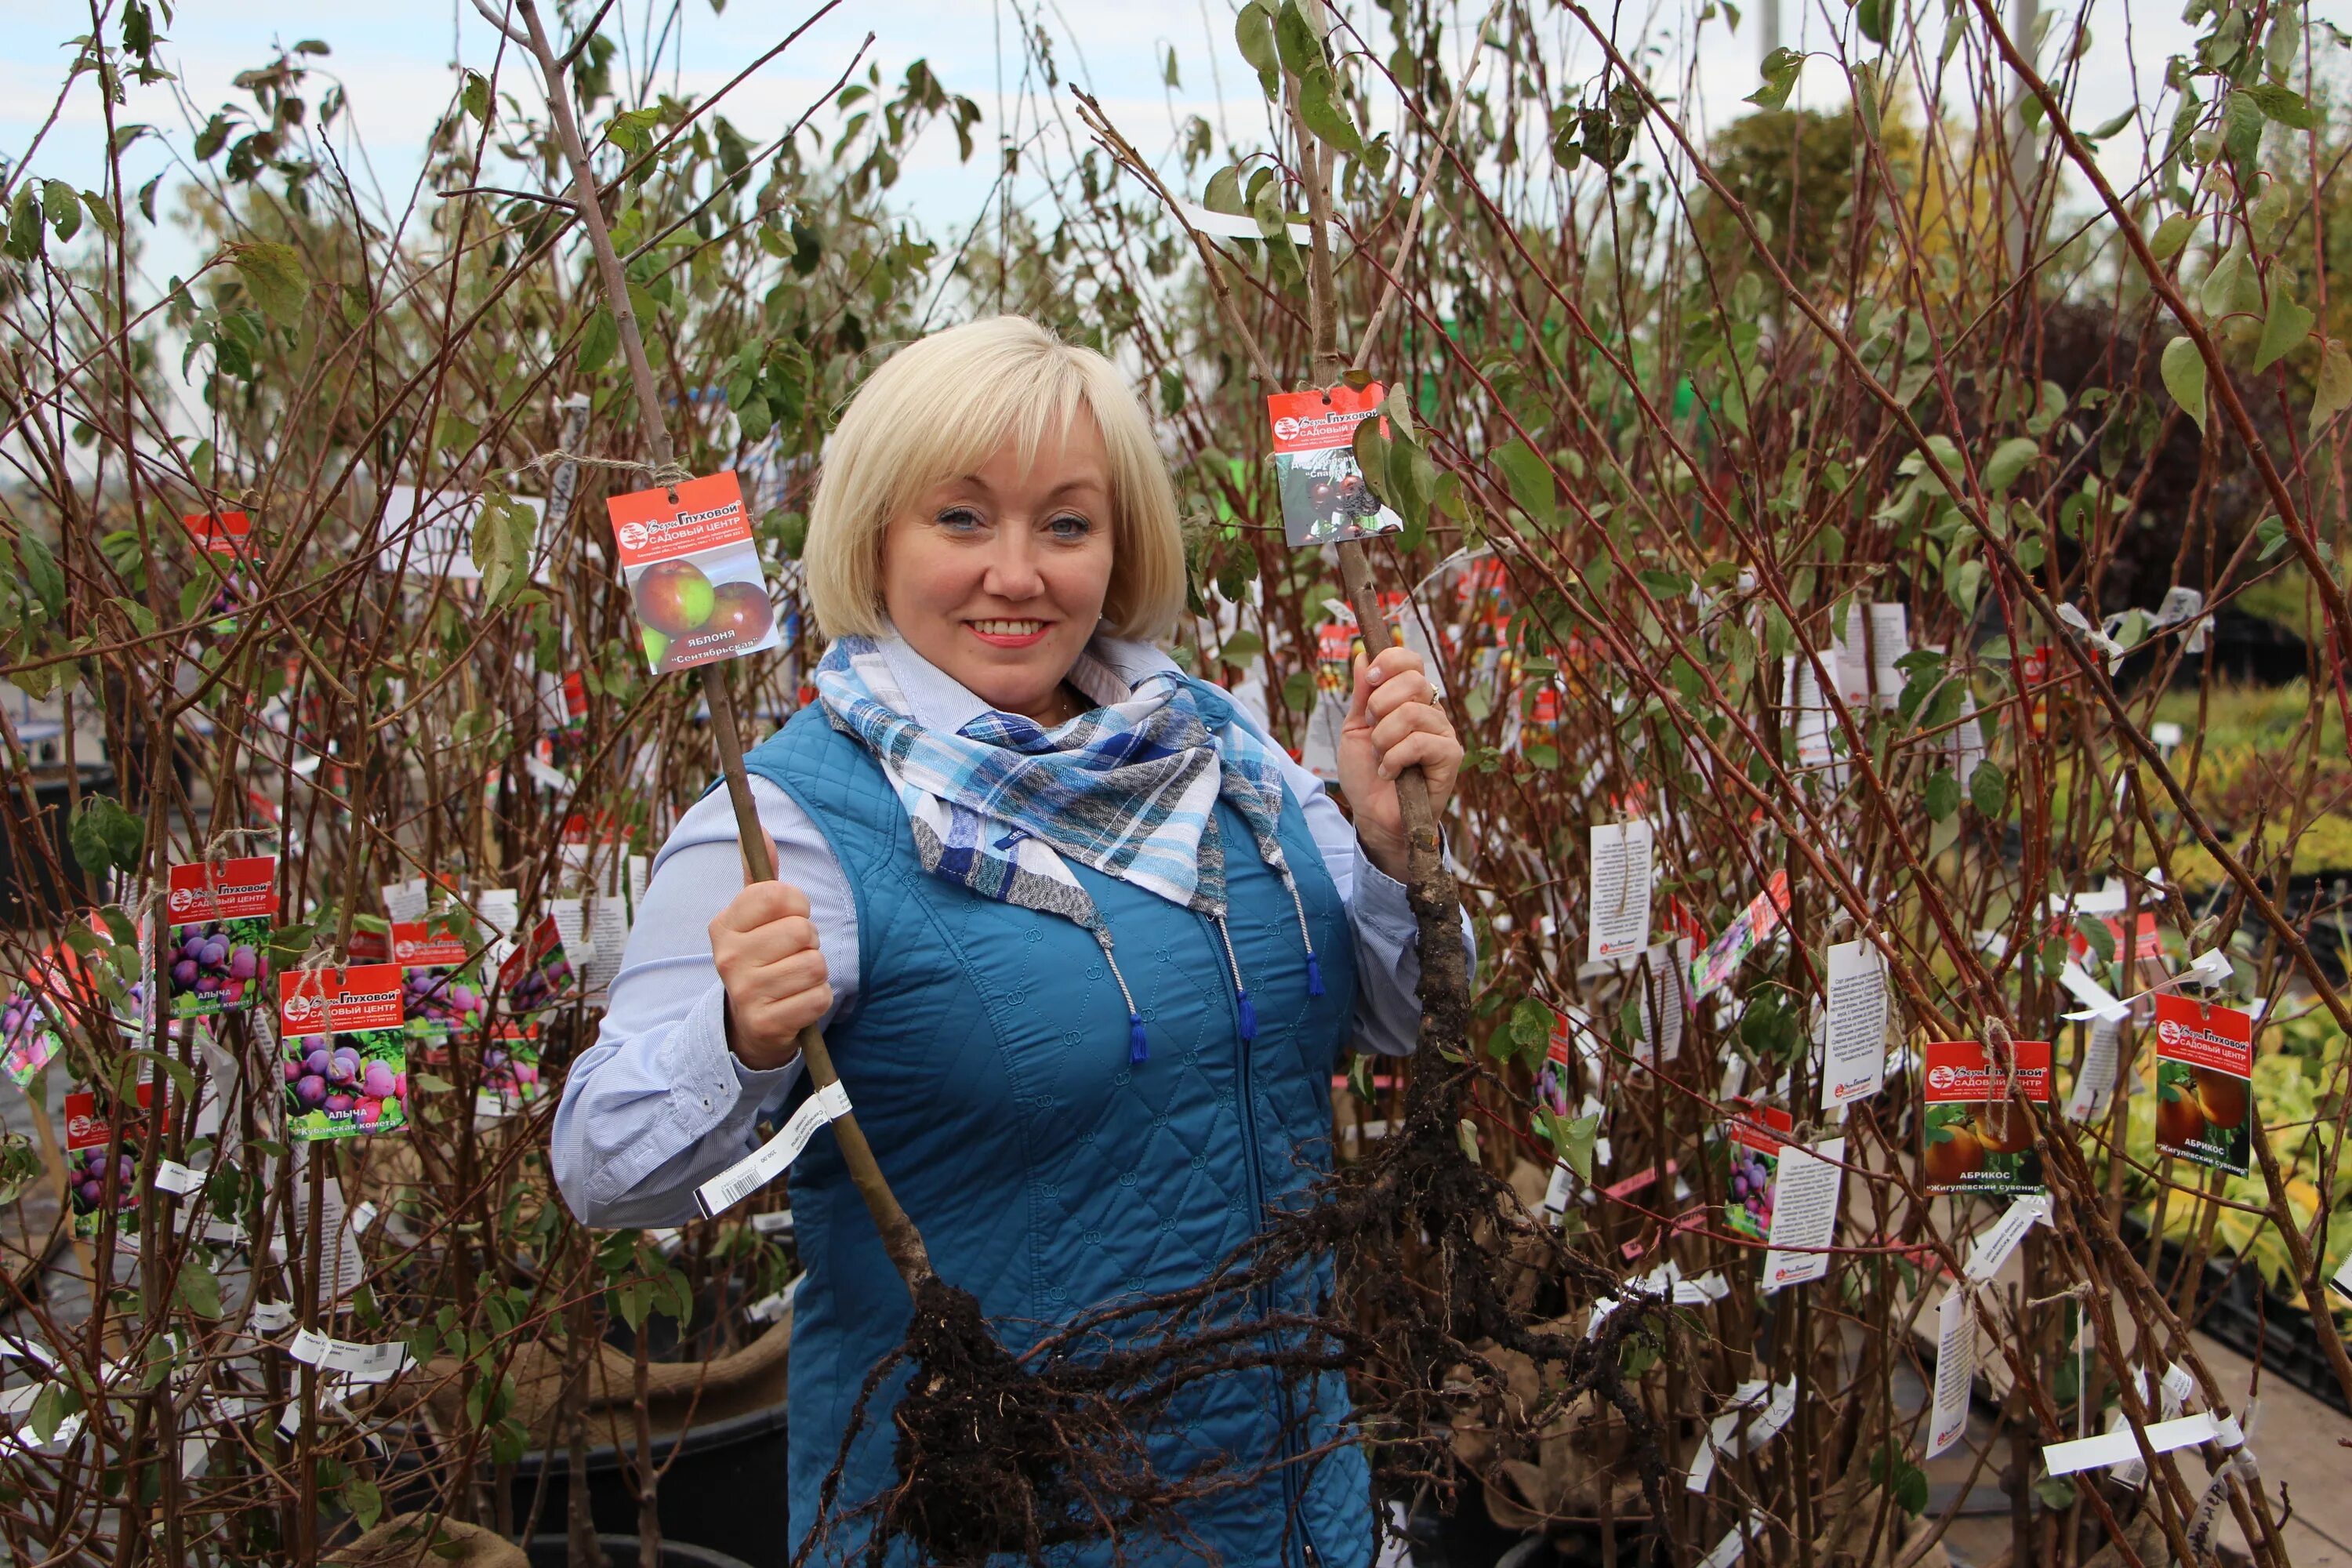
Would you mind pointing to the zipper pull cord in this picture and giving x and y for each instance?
(1138, 1049)
(1248, 1014)
(1298, 905)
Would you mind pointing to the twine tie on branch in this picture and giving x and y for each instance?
(669, 472)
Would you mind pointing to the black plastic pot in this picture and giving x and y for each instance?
(29, 892)
(2234, 1306)
(621, 1551)
(726, 1492)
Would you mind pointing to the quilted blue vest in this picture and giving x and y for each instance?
(986, 1053)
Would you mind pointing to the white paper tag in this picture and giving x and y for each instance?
(1856, 987)
(1617, 890)
(1733, 1546)
(405, 901)
(1808, 715)
(776, 1224)
(269, 1317)
(2342, 1278)
(490, 1105)
(772, 1159)
(1956, 1365)
(360, 1362)
(2095, 1086)
(171, 1176)
(1993, 1248)
(500, 909)
(342, 1267)
(2115, 1447)
(1804, 1213)
(1561, 1187)
(2098, 1002)
(608, 940)
(545, 775)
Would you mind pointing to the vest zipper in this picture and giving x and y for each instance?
(1246, 1038)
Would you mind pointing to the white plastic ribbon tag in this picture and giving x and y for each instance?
(2115, 1447)
(774, 1157)
(1993, 1248)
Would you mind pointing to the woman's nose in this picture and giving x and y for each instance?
(1012, 571)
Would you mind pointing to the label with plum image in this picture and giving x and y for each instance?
(1758, 1133)
(344, 1051)
(439, 995)
(538, 974)
(1980, 1141)
(2204, 1088)
(510, 1071)
(29, 1040)
(216, 953)
(693, 573)
(88, 1132)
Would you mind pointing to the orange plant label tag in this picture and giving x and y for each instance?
(1324, 496)
(2204, 1088)
(693, 573)
(1978, 1141)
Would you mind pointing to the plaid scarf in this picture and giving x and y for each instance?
(1129, 788)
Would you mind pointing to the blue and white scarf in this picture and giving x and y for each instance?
(1129, 789)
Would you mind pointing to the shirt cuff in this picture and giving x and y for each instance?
(1381, 905)
(709, 1080)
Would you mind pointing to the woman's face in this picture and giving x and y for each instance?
(998, 577)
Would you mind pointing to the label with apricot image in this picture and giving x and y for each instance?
(2204, 1088)
(1978, 1139)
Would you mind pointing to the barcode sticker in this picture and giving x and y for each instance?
(772, 1159)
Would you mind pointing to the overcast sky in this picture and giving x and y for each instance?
(397, 62)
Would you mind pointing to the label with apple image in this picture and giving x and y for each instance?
(1759, 1133)
(1980, 1141)
(216, 954)
(344, 1050)
(693, 573)
(1324, 496)
(2204, 1083)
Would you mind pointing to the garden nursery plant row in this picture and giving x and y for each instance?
(1886, 563)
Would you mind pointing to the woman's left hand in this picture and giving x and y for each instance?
(1394, 722)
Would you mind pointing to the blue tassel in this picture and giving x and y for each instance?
(1249, 1015)
(1314, 976)
(1138, 1050)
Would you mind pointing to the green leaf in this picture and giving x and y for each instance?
(2170, 235)
(2111, 127)
(2218, 293)
(2285, 105)
(2184, 377)
(1530, 1025)
(1943, 795)
(61, 205)
(365, 1500)
(1295, 39)
(1573, 1142)
(1318, 105)
(1781, 69)
(41, 573)
(2332, 388)
(1253, 31)
(2283, 328)
(273, 275)
(1529, 481)
(2271, 531)
(431, 1083)
(198, 1287)
(1989, 790)
(477, 97)
(2094, 932)
(2009, 460)
(2055, 1491)
(105, 836)
(598, 340)
(1168, 70)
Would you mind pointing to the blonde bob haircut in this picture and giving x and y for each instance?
(938, 409)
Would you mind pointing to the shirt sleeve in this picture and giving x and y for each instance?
(1388, 937)
(659, 1104)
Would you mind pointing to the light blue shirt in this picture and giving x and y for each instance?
(660, 1104)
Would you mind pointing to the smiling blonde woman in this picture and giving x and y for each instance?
(1086, 943)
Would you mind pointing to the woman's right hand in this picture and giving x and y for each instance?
(768, 959)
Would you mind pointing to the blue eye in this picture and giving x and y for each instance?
(959, 520)
(1070, 526)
